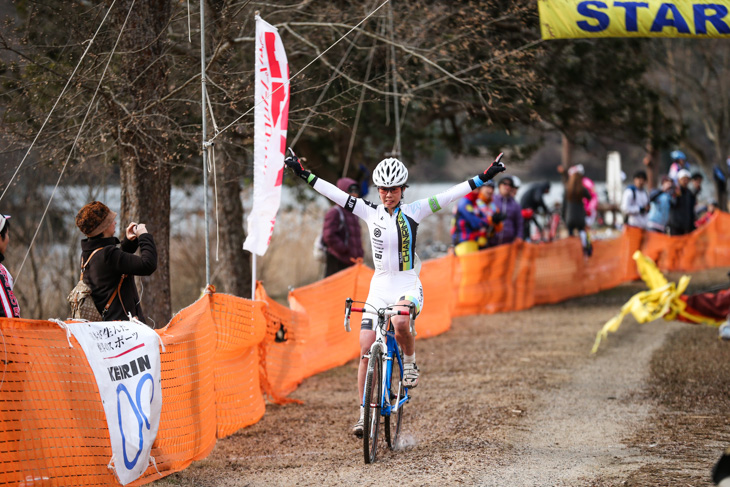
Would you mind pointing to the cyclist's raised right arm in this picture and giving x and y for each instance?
(355, 205)
(329, 190)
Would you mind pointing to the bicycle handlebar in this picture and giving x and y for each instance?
(387, 312)
(411, 313)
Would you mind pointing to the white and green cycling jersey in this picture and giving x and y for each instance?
(393, 237)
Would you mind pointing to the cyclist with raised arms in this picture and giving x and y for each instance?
(392, 226)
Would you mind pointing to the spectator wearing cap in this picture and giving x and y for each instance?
(8, 304)
(660, 205)
(635, 201)
(112, 264)
(341, 232)
(682, 206)
(516, 183)
(511, 210)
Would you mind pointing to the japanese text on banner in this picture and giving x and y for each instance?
(125, 359)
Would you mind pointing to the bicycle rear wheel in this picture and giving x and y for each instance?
(396, 393)
(371, 400)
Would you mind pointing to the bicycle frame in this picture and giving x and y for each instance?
(385, 340)
(391, 350)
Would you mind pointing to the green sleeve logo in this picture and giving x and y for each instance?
(434, 204)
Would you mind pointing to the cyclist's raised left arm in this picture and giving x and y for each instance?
(426, 206)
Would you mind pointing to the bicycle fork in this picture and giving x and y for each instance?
(368, 356)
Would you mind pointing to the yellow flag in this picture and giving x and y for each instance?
(661, 300)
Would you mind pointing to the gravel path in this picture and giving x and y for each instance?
(513, 399)
(576, 434)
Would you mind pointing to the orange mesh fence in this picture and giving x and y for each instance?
(187, 429)
(439, 298)
(718, 253)
(606, 268)
(240, 325)
(52, 424)
(633, 238)
(523, 277)
(324, 343)
(222, 350)
(485, 281)
(281, 352)
(662, 249)
(557, 267)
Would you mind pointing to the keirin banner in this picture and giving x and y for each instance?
(271, 116)
(125, 359)
(560, 19)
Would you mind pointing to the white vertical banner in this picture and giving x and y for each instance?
(271, 117)
(125, 359)
(614, 184)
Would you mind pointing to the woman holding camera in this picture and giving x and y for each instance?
(111, 265)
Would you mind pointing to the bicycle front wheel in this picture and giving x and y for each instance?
(396, 393)
(371, 401)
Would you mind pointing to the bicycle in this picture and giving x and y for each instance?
(380, 398)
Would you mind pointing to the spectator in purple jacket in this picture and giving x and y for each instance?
(341, 232)
(510, 208)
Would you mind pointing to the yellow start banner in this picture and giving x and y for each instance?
(563, 19)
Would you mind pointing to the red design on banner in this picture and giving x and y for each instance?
(285, 110)
(270, 39)
(277, 97)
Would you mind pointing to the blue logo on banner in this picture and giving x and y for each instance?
(142, 419)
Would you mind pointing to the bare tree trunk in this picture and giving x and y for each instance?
(146, 199)
(651, 169)
(567, 152)
(145, 173)
(235, 262)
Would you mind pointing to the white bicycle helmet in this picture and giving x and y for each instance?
(390, 172)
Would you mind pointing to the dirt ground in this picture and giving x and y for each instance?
(512, 399)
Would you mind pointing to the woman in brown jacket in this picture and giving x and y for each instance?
(112, 264)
